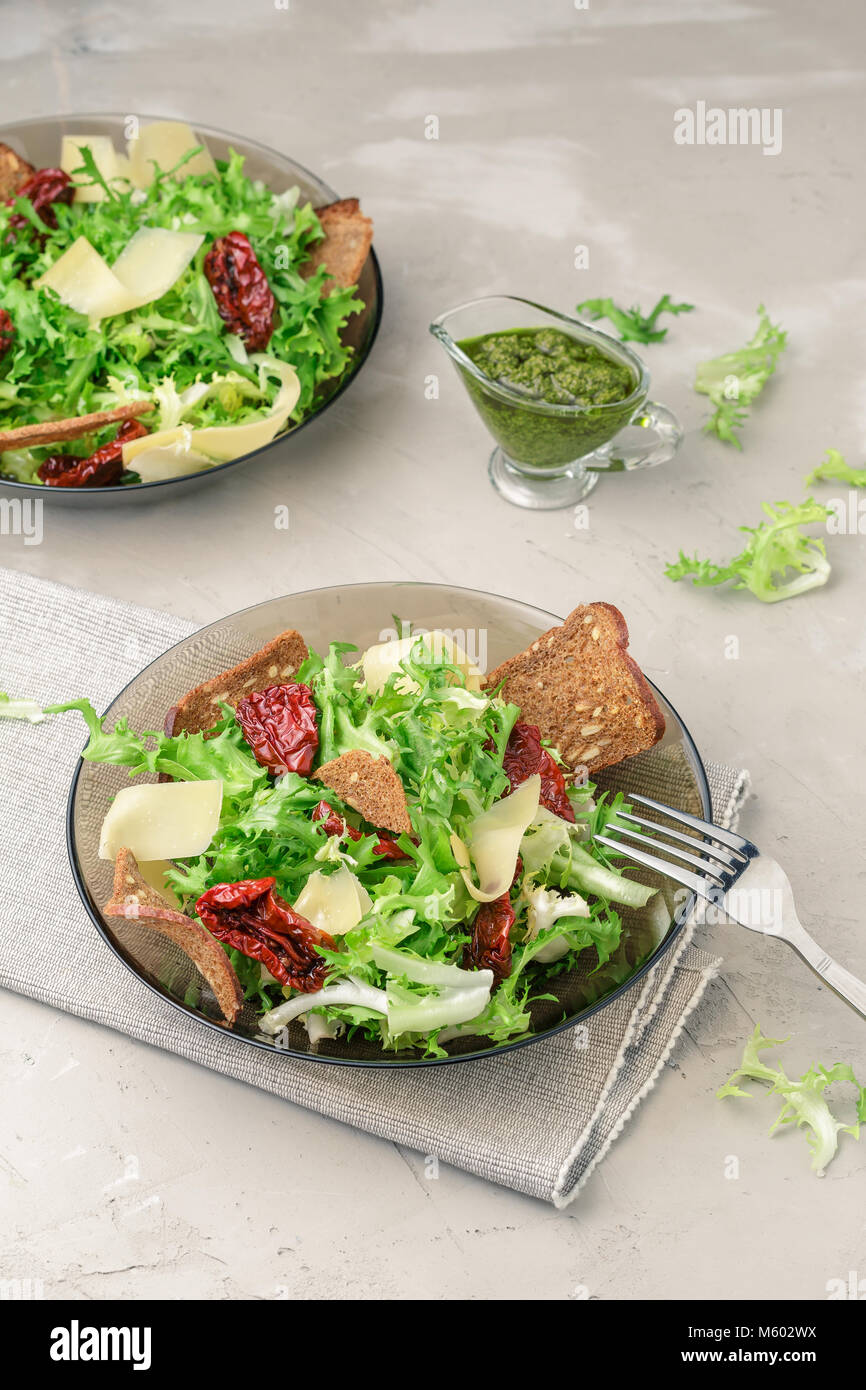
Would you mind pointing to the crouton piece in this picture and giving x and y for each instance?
(134, 899)
(578, 684)
(344, 251)
(371, 786)
(274, 664)
(54, 431)
(14, 171)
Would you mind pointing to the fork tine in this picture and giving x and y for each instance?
(729, 860)
(715, 832)
(697, 883)
(710, 870)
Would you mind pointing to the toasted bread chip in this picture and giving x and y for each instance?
(344, 251)
(371, 786)
(273, 664)
(14, 171)
(54, 431)
(578, 684)
(135, 900)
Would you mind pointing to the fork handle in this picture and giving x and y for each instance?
(840, 980)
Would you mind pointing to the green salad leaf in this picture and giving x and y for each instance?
(775, 547)
(804, 1101)
(631, 324)
(834, 468)
(735, 379)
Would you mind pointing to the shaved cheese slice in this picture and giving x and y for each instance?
(163, 820)
(382, 660)
(334, 903)
(84, 281)
(165, 143)
(494, 841)
(154, 260)
(171, 459)
(153, 872)
(104, 156)
(220, 443)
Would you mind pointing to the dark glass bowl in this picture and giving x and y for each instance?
(491, 629)
(39, 141)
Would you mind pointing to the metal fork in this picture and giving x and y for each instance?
(728, 871)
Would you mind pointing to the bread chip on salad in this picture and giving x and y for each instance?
(273, 664)
(370, 786)
(14, 171)
(135, 900)
(55, 431)
(578, 684)
(344, 251)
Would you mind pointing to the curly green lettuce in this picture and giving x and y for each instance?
(833, 468)
(734, 380)
(804, 1101)
(775, 547)
(631, 324)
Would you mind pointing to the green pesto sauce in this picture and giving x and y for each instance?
(551, 366)
(547, 367)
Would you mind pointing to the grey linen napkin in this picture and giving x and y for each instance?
(538, 1119)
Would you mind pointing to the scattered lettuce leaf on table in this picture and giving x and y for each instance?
(834, 468)
(735, 379)
(631, 324)
(774, 547)
(804, 1101)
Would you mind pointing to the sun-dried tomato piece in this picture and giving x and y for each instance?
(280, 726)
(45, 188)
(524, 756)
(101, 468)
(490, 944)
(332, 824)
(241, 290)
(253, 919)
(7, 332)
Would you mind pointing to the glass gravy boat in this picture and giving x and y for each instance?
(551, 455)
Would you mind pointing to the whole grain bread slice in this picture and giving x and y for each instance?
(273, 664)
(14, 171)
(371, 786)
(135, 900)
(579, 685)
(344, 251)
(55, 431)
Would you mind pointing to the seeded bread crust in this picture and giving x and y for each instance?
(14, 171)
(370, 786)
(344, 251)
(579, 685)
(274, 664)
(135, 900)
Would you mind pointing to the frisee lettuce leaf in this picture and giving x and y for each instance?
(631, 324)
(834, 468)
(735, 379)
(804, 1101)
(776, 546)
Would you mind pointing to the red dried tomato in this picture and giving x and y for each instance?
(101, 468)
(332, 824)
(7, 332)
(490, 946)
(241, 290)
(251, 917)
(524, 755)
(44, 188)
(279, 724)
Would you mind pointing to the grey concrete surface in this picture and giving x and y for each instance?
(125, 1172)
